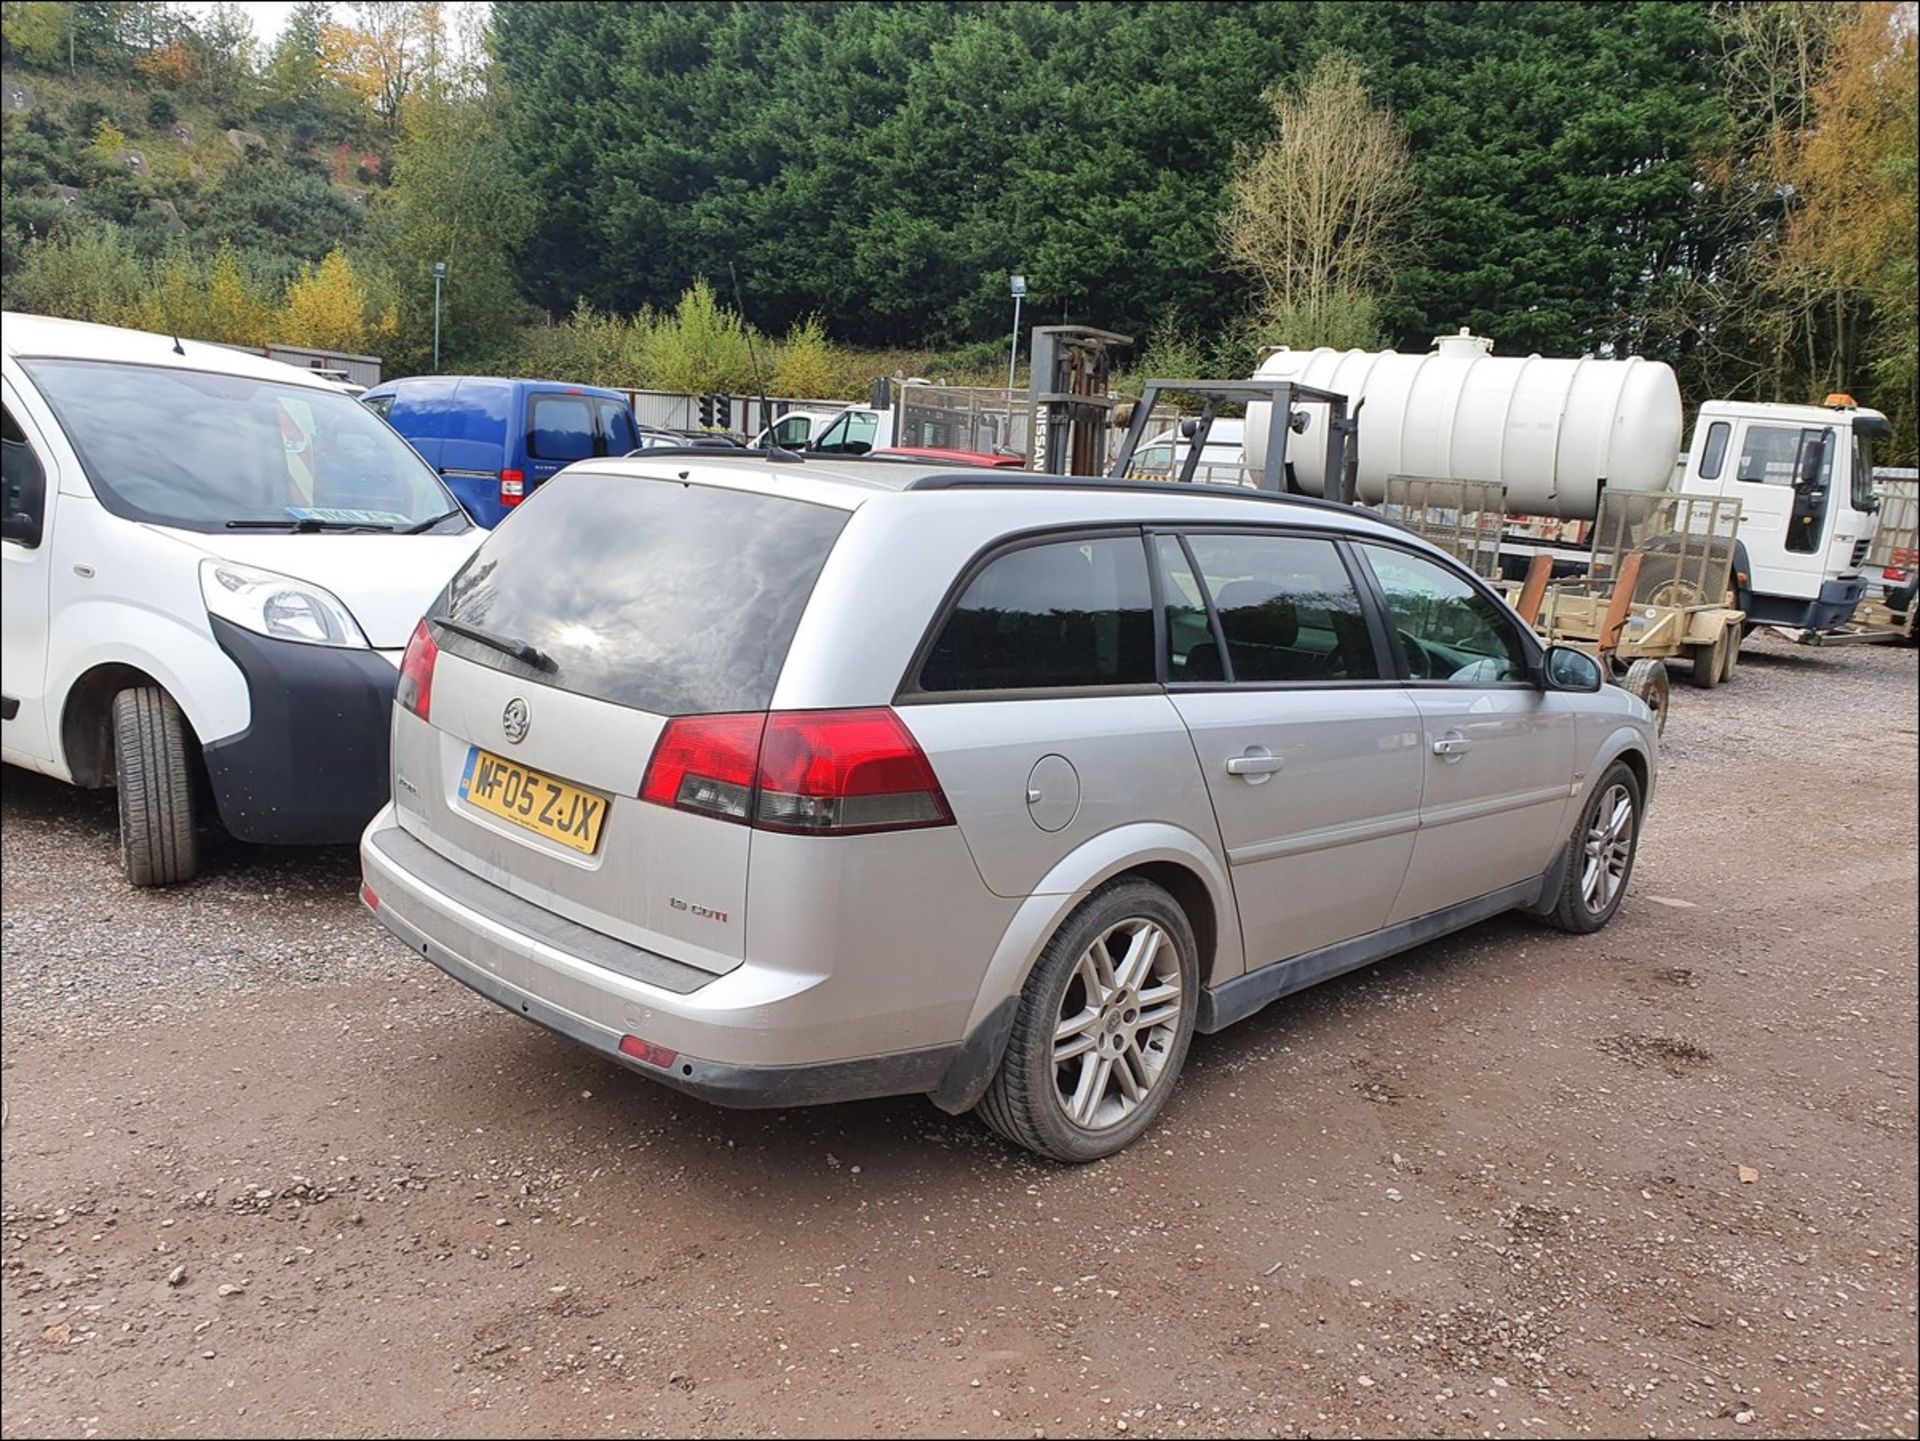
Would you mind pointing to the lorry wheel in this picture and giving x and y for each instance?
(1733, 638)
(154, 755)
(1709, 661)
(1647, 679)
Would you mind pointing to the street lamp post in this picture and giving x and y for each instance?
(439, 274)
(1018, 285)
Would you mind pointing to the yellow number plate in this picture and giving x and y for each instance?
(539, 803)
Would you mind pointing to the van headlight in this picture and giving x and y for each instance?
(278, 606)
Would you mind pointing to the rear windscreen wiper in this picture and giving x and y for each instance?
(506, 644)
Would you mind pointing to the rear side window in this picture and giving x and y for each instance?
(1287, 611)
(1715, 455)
(559, 427)
(677, 599)
(1063, 614)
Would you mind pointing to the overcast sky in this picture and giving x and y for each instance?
(270, 17)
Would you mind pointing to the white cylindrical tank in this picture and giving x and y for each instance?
(1554, 432)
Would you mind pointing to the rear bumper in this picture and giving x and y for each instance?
(311, 766)
(594, 990)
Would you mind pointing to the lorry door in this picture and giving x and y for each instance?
(26, 540)
(1497, 749)
(1783, 519)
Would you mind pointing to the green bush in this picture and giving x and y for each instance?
(161, 111)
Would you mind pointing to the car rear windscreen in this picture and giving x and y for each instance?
(673, 598)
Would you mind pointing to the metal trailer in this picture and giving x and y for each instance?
(1657, 589)
(1890, 611)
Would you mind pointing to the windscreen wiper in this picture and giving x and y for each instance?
(426, 524)
(307, 525)
(505, 644)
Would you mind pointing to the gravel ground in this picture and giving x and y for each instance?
(266, 1174)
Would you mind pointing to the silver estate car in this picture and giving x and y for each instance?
(786, 782)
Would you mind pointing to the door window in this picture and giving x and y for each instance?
(1285, 607)
(616, 428)
(1045, 617)
(380, 405)
(1769, 454)
(791, 433)
(23, 513)
(1449, 629)
(560, 427)
(851, 434)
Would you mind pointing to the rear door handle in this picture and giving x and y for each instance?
(1452, 745)
(1257, 764)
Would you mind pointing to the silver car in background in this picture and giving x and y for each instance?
(786, 783)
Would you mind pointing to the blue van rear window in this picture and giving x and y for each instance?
(560, 427)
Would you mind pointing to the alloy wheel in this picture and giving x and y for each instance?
(1118, 1022)
(1609, 849)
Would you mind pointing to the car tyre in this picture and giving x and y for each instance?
(1600, 853)
(1124, 968)
(154, 756)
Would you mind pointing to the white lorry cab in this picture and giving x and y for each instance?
(212, 564)
(1803, 475)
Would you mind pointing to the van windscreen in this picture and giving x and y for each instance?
(204, 451)
(672, 598)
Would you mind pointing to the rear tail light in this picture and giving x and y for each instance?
(368, 898)
(806, 772)
(415, 688)
(706, 764)
(513, 487)
(842, 771)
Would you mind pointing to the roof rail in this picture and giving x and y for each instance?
(1026, 480)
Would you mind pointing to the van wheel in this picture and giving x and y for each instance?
(1600, 853)
(155, 775)
(1103, 1027)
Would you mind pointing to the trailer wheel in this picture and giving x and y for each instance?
(1647, 679)
(1734, 637)
(1709, 661)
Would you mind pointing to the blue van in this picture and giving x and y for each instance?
(495, 440)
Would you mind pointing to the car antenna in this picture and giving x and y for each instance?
(178, 348)
(775, 450)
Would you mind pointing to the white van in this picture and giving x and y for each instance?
(211, 566)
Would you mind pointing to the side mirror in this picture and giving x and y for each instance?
(1812, 458)
(1570, 669)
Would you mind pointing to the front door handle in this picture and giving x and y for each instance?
(1452, 745)
(1257, 764)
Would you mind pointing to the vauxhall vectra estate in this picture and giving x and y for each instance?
(786, 783)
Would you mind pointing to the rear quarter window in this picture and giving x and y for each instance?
(1055, 615)
(672, 598)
